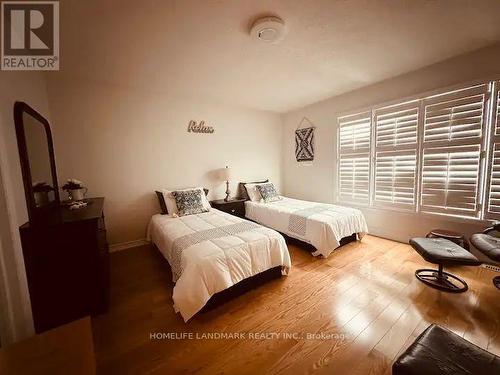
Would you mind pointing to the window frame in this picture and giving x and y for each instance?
(359, 114)
(485, 161)
(406, 148)
(492, 139)
(452, 145)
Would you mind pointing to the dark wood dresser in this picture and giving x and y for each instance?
(67, 265)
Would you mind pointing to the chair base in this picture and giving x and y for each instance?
(496, 282)
(438, 279)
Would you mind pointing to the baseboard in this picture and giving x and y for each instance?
(388, 234)
(127, 245)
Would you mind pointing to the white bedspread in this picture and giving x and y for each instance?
(207, 261)
(324, 224)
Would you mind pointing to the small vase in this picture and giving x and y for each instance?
(77, 194)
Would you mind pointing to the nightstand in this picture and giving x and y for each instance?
(234, 207)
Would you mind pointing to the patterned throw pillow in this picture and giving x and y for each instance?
(268, 192)
(189, 202)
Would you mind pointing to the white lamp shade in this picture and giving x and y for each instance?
(226, 173)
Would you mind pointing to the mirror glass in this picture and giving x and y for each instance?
(39, 161)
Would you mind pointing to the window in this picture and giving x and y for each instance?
(396, 155)
(354, 160)
(426, 155)
(493, 183)
(452, 145)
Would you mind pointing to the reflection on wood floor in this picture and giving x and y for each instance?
(365, 296)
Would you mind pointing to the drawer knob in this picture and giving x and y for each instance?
(233, 210)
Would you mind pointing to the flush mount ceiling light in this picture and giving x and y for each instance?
(268, 29)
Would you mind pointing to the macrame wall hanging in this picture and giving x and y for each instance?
(304, 141)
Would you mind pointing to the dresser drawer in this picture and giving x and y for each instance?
(236, 207)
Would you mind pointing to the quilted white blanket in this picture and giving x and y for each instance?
(212, 251)
(320, 224)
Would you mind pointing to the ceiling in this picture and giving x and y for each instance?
(203, 47)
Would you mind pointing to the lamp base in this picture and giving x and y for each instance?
(228, 192)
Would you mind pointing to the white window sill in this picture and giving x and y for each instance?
(419, 215)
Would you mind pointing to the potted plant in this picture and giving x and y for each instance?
(75, 189)
(41, 193)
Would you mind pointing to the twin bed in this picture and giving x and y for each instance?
(211, 252)
(319, 224)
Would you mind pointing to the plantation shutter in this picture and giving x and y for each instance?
(354, 158)
(454, 124)
(396, 155)
(493, 208)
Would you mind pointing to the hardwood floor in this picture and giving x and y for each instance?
(365, 296)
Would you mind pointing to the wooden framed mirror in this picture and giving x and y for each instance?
(36, 153)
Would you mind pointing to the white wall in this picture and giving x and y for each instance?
(317, 182)
(124, 143)
(15, 304)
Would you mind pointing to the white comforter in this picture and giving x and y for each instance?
(323, 229)
(212, 265)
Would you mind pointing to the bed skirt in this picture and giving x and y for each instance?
(307, 246)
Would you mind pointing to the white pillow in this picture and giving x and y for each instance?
(169, 202)
(253, 193)
(172, 206)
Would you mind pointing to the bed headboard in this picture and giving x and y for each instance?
(242, 192)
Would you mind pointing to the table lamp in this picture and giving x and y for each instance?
(226, 175)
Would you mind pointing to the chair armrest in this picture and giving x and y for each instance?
(494, 227)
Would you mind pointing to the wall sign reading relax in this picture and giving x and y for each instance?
(199, 127)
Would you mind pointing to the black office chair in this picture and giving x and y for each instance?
(489, 245)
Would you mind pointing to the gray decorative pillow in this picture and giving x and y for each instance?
(189, 202)
(268, 192)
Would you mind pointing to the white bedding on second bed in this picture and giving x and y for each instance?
(323, 229)
(210, 262)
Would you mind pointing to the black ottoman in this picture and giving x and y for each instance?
(443, 253)
(438, 351)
